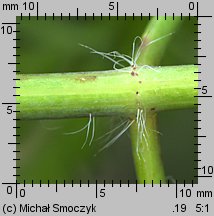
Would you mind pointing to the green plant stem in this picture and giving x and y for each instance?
(161, 28)
(149, 167)
(62, 95)
(148, 160)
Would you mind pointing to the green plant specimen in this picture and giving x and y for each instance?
(149, 166)
(64, 95)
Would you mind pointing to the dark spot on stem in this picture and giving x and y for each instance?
(134, 73)
(137, 92)
(152, 109)
(140, 81)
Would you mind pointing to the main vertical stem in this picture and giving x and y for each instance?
(147, 152)
(148, 164)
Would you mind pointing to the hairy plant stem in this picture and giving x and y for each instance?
(149, 167)
(148, 161)
(62, 95)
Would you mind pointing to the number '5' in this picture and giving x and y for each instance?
(111, 5)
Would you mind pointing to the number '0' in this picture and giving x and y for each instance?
(191, 6)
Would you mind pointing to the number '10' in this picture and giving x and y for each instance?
(29, 5)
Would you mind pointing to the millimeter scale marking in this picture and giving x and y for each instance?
(46, 17)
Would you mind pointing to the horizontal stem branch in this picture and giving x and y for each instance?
(62, 95)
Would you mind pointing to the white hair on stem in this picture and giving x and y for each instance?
(90, 122)
(117, 58)
(136, 55)
(112, 141)
(42, 123)
(87, 133)
(93, 131)
(141, 131)
(110, 56)
(81, 129)
(143, 121)
(112, 131)
(160, 38)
